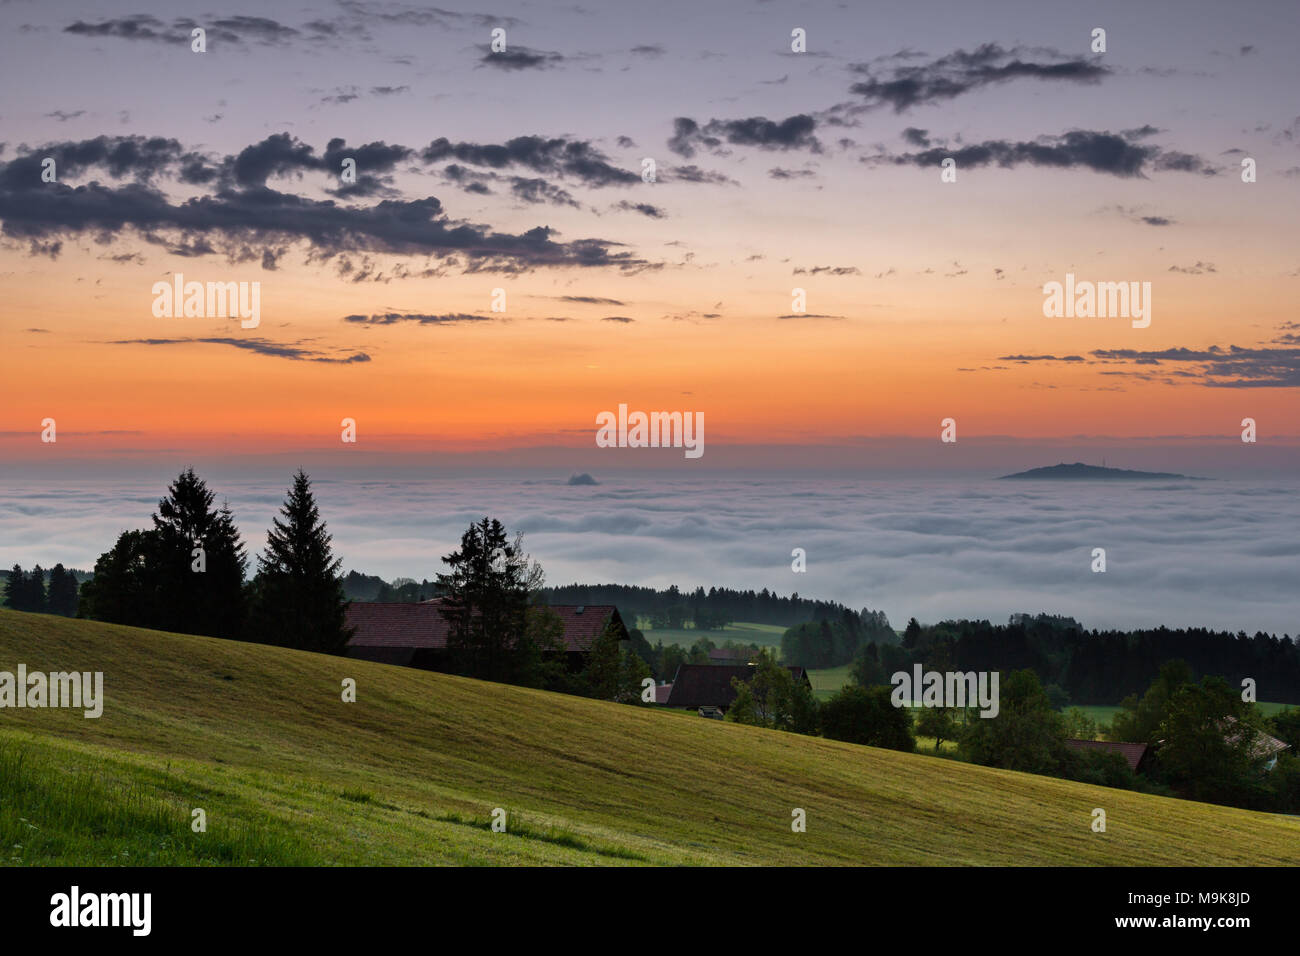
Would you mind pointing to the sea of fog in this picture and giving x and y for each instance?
(1222, 554)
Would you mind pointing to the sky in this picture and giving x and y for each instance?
(521, 170)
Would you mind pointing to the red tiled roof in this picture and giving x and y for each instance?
(422, 625)
(1133, 753)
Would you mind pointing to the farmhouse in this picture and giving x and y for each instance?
(416, 634)
(1138, 756)
(709, 685)
(1264, 747)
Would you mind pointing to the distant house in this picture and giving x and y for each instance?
(1136, 755)
(1264, 748)
(416, 635)
(709, 685)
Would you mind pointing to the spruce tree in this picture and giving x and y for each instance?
(62, 595)
(487, 595)
(298, 598)
(15, 588)
(199, 562)
(34, 592)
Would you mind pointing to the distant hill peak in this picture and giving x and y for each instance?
(583, 479)
(1087, 472)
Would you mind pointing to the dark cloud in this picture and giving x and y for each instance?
(521, 58)
(903, 87)
(1102, 152)
(236, 29)
(417, 318)
(556, 156)
(644, 208)
(779, 173)
(829, 270)
(1157, 221)
(617, 318)
(794, 132)
(648, 49)
(63, 116)
(590, 300)
(540, 191)
(1023, 359)
(138, 27)
(694, 174)
(917, 137)
(1200, 268)
(143, 158)
(1215, 367)
(240, 214)
(260, 346)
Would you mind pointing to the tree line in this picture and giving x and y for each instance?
(713, 609)
(29, 591)
(1074, 665)
(188, 573)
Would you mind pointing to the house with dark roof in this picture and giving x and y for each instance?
(1137, 756)
(416, 634)
(1263, 747)
(709, 685)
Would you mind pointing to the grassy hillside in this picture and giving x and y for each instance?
(409, 774)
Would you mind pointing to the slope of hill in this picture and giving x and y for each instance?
(285, 772)
(1079, 471)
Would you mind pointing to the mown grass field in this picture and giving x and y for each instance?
(764, 635)
(1103, 714)
(827, 681)
(287, 773)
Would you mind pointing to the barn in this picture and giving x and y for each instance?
(416, 634)
(709, 685)
(1136, 755)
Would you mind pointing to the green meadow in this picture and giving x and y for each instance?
(764, 635)
(287, 773)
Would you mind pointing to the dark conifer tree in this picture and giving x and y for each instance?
(16, 588)
(298, 596)
(486, 599)
(34, 591)
(199, 563)
(62, 595)
(121, 590)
